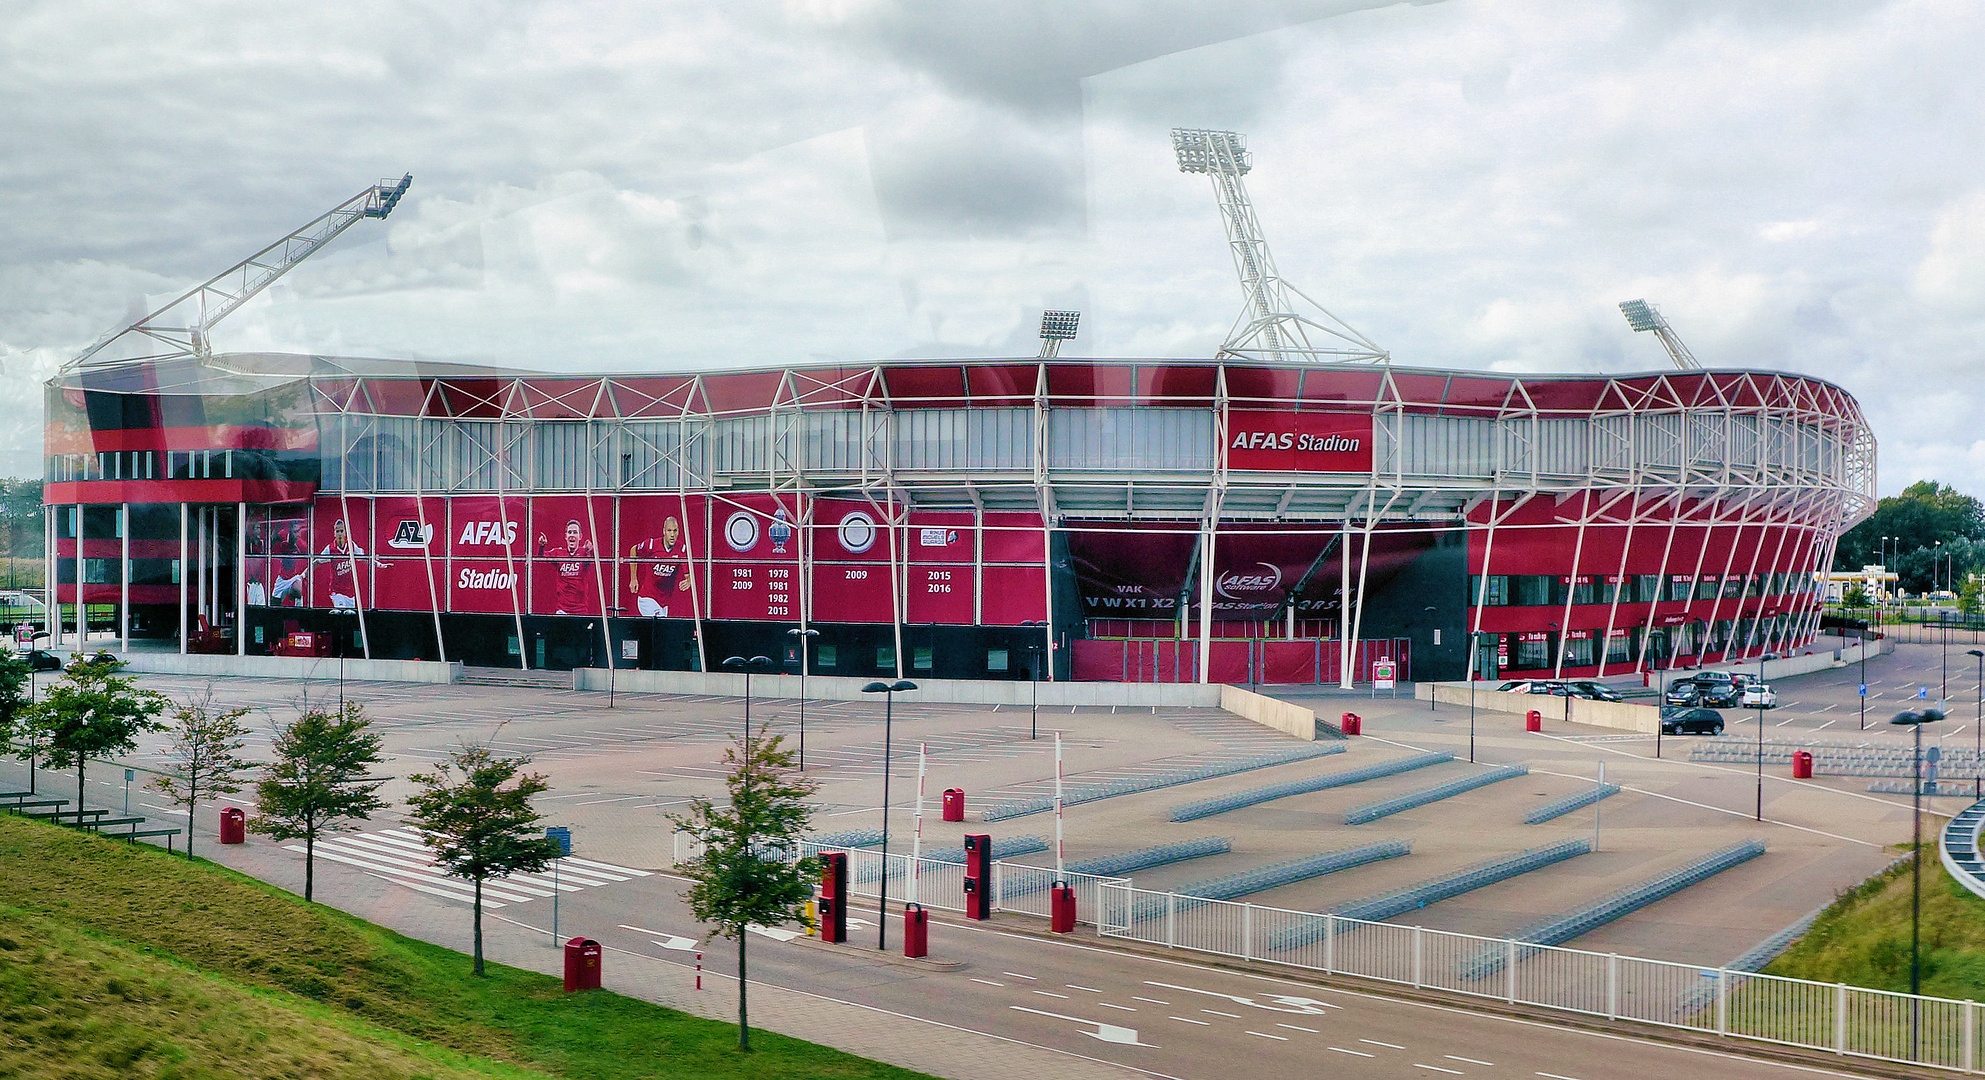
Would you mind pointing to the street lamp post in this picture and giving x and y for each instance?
(801, 634)
(1978, 741)
(756, 663)
(1034, 670)
(1915, 721)
(888, 692)
(1429, 611)
(1475, 646)
(1761, 659)
(342, 643)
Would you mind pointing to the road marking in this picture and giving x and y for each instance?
(1437, 1068)
(1299, 1027)
(1048, 993)
(1555, 1076)
(1017, 975)
(1471, 1061)
(1265, 1035)
(1153, 1001)
(1824, 726)
(1216, 1012)
(1341, 1050)
(1201, 1023)
(1375, 1042)
(1091, 989)
(1285, 1003)
(1109, 1033)
(773, 932)
(989, 982)
(1124, 1008)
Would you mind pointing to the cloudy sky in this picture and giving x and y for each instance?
(1797, 184)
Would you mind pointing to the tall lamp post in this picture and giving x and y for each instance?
(1429, 612)
(1978, 741)
(1916, 720)
(888, 692)
(343, 641)
(756, 663)
(801, 635)
(1034, 669)
(1761, 659)
(1475, 645)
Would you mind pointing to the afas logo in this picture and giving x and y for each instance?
(485, 579)
(1231, 582)
(411, 536)
(488, 532)
(1288, 440)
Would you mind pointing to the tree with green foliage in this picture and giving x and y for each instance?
(17, 736)
(93, 712)
(203, 744)
(1925, 515)
(1857, 597)
(474, 810)
(319, 781)
(741, 879)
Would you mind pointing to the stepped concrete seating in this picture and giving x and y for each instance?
(1959, 848)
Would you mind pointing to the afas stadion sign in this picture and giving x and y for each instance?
(1300, 441)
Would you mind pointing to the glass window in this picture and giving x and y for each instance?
(1733, 586)
(1680, 586)
(885, 657)
(1706, 588)
(1498, 592)
(1647, 587)
(1531, 655)
(920, 657)
(823, 656)
(1619, 647)
(1582, 590)
(1530, 590)
(996, 660)
(1579, 652)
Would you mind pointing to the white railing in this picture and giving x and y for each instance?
(1847, 1020)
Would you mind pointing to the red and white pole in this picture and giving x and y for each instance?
(917, 840)
(1058, 851)
(699, 971)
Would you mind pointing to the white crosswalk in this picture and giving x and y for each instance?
(399, 856)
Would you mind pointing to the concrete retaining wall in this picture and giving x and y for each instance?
(292, 667)
(963, 691)
(1820, 659)
(1625, 716)
(1281, 715)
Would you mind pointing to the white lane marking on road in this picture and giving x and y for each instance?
(1341, 1050)
(773, 932)
(1285, 1003)
(675, 943)
(1437, 1068)
(1017, 975)
(607, 868)
(1109, 1033)
(1185, 1020)
(1375, 1042)
(1471, 1061)
(1265, 1035)
(1825, 708)
(1299, 1027)
(1153, 1001)
(1216, 1012)
(989, 982)
(1124, 1008)
(1555, 1076)
(1049, 993)
(487, 903)
(1090, 989)
(1828, 724)
(429, 882)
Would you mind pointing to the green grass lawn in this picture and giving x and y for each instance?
(104, 910)
(1863, 938)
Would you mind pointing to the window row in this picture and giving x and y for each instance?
(1555, 590)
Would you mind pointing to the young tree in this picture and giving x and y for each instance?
(17, 735)
(477, 827)
(204, 744)
(92, 711)
(318, 782)
(1857, 597)
(1968, 596)
(740, 879)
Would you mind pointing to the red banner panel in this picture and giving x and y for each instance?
(405, 534)
(656, 575)
(484, 526)
(1227, 662)
(1014, 538)
(754, 569)
(939, 594)
(851, 592)
(940, 538)
(1299, 441)
(485, 586)
(1015, 594)
(341, 571)
(1129, 574)
(566, 568)
(1285, 662)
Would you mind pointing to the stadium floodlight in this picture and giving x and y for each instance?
(1057, 327)
(1643, 317)
(1203, 151)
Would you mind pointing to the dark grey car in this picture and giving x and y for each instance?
(1676, 721)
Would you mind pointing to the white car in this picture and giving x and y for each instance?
(1759, 696)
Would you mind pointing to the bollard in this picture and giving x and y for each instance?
(699, 971)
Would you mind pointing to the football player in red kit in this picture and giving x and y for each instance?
(572, 570)
(662, 574)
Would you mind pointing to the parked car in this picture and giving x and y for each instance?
(1691, 722)
(1757, 695)
(1593, 691)
(41, 660)
(1681, 693)
(1715, 689)
(1535, 686)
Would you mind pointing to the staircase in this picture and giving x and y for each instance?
(1959, 848)
(495, 676)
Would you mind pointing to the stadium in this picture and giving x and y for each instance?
(1281, 513)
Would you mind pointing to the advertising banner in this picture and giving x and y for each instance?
(566, 569)
(1130, 575)
(341, 569)
(1299, 441)
(405, 534)
(754, 562)
(656, 568)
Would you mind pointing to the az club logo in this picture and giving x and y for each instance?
(741, 531)
(1231, 581)
(411, 536)
(856, 532)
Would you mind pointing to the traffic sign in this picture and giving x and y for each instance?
(1864, 689)
(1923, 693)
(562, 836)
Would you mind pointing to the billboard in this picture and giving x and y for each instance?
(1299, 441)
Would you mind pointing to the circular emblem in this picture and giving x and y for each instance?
(857, 532)
(741, 531)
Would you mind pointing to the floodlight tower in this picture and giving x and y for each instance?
(1269, 326)
(1643, 316)
(181, 328)
(1057, 327)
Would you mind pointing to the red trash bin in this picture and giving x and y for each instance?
(234, 826)
(1802, 765)
(916, 931)
(1351, 724)
(582, 965)
(1533, 721)
(1061, 909)
(954, 804)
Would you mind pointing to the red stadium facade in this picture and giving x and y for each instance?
(1168, 520)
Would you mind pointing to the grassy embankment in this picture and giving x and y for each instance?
(121, 961)
(1862, 939)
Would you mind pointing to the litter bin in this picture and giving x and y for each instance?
(234, 826)
(1351, 724)
(1533, 721)
(916, 931)
(1061, 908)
(954, 804)
(582, 965)
(1802, 765)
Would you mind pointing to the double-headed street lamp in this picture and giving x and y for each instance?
(1034, 652)
(1915, 721)
(1761, 686)
(802, 634)
(888, 691)
(756, 663)
(1978, 740)
(1474, 653)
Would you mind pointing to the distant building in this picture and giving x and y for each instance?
(1876, 580)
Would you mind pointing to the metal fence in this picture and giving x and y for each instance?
(1847, 1020)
